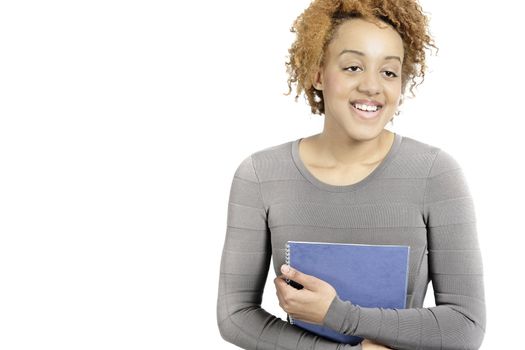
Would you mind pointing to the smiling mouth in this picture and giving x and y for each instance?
(368, 114)
(366, 108)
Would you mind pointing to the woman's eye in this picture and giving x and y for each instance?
(392, 74)
(351, 68)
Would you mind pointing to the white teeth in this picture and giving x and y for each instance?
(366, 108)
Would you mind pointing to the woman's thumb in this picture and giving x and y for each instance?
(296, 275)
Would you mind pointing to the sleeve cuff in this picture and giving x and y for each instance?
(342, 316)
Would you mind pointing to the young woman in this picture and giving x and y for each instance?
(355, 182)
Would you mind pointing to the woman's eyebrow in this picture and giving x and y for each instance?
(363, 54)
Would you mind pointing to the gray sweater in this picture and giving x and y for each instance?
(417, 196)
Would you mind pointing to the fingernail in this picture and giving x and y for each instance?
(285, 268)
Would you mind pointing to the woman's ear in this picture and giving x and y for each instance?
(317, 81)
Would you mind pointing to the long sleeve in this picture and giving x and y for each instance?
(458, 320)
(243, 272)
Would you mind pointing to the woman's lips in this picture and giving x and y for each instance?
(364, 114)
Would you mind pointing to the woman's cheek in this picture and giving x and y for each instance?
(337, 86)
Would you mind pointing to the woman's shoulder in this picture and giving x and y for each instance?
(412, 145)
(281, 148)
(271, 153)
(439, 158)
(268, 157)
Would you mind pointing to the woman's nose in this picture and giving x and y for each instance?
(370, 83)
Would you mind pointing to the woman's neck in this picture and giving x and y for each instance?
(342, 151)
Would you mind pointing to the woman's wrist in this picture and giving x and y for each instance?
(342, 316)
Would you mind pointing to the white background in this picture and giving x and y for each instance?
(122, 123)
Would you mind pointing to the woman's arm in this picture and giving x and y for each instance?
(455, 266)
(243, 272)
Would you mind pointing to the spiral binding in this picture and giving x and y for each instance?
(287, 257)
(287, 252)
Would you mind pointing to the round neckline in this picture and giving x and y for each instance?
(344, 188)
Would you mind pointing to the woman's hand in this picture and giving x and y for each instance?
(308, 304)
(370, 345)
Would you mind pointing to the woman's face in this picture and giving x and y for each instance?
(362, 70)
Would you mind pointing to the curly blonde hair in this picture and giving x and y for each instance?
(316, 26)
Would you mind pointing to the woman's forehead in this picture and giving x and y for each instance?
(363, 38)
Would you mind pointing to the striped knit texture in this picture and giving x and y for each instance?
(418, 196)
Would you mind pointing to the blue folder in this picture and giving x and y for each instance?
(366, 275)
